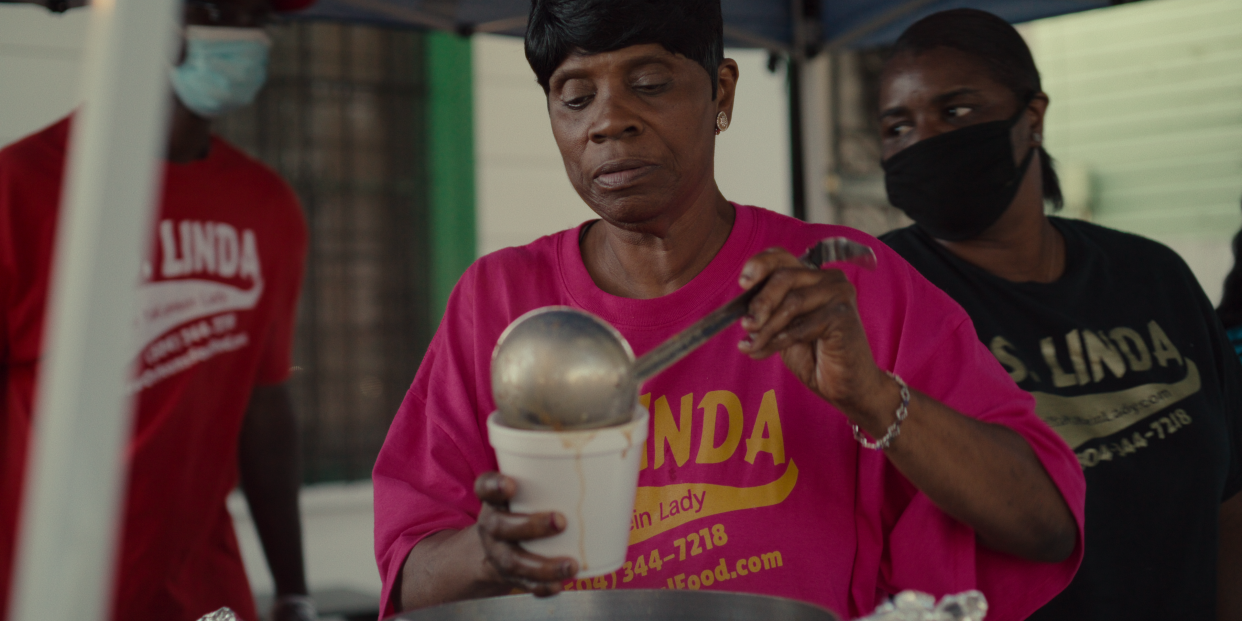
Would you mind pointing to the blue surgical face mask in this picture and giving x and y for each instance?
(224, 68)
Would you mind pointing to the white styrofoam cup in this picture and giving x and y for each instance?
(589, 476)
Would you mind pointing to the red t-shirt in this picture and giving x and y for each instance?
(216, 311)
(748, 481)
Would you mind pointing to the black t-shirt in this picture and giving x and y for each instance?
(1128, 362)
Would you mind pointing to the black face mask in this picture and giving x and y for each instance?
(957, 184)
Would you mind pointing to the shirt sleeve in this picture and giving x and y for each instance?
(436, 447)
(932, 344)
(277, 358)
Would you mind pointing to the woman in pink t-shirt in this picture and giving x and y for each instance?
(757, 480)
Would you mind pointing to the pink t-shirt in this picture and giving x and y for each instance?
(749, 481)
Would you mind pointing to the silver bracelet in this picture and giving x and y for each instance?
(894, 429)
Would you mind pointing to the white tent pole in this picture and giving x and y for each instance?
(75, 475)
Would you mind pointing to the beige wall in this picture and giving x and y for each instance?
(1146, 114)
(40, 53)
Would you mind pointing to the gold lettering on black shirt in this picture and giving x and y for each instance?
(1095, 357)
(1004, 352)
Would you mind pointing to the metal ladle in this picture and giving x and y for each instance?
(563, 368)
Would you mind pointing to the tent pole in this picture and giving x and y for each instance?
(797, 151)
(75, 474)
(795, 66)
(816, 136)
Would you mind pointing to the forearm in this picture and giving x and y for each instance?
(1229, 561)
(270, 470)
(984, 475)
(447, 566)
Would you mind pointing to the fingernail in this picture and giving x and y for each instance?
(745, 344)
(567, 569)
(557, 522)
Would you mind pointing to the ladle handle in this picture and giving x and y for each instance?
(828, 250)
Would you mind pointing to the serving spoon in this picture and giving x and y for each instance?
(563, 368)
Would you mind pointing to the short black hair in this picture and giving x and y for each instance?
(558, 28)
(995, 43)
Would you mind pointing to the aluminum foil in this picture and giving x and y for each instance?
(224, 614)
(916, 606)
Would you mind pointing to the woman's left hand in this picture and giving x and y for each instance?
(811, 317)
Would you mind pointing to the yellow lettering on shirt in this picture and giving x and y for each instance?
(766, 436)
(674, 505)
(708, 453)
(677, 436)
(645, 400)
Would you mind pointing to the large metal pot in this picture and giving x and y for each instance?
(626, 605)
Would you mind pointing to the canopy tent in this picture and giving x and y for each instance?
(748, 23)
(765, 24)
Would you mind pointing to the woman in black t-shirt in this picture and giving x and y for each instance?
(1109, 331)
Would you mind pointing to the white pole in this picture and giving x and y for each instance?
(75, 478)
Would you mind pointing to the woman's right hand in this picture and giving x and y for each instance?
(502, 532)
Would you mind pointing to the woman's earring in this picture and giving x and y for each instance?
(1038, 137)
(722, 122)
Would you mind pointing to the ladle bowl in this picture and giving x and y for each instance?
(562, 368)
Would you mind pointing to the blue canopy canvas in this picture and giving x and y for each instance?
(748, 23)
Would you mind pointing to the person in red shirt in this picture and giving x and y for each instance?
(217, 300)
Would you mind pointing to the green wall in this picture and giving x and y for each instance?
(450, 150)
(1147, 105)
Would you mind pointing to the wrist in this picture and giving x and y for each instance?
(876, 409)
(487, 580)
(883, 439)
